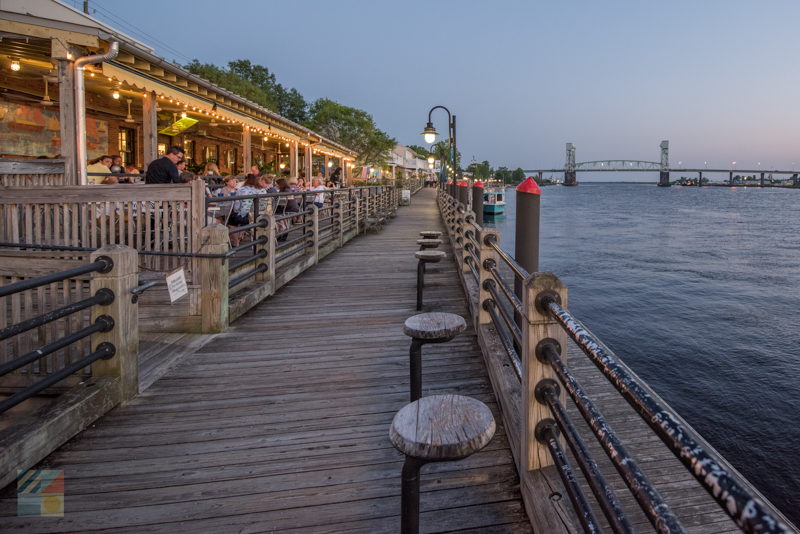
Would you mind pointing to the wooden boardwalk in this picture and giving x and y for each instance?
(281, 423)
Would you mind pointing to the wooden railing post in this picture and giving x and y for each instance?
(540, 326)
(125, 335)
(214, 279)
(271, 230)
(265, 276)
(357, 200)
(315, 230)
(489, 258)
(340, 211)
(366, 209)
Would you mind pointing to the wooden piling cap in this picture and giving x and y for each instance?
(429, 256)
(434, 325)
(442, 427)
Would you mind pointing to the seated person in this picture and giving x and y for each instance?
(99, 165)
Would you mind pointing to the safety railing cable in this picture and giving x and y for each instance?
(505, 339)
(102, 264)
(519, 271)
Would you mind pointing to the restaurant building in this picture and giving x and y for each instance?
(132, 103)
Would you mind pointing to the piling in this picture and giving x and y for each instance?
(463, 193)
(477, 201)
(526, 239)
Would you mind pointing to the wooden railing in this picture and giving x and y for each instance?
(31, 172)
(69, 328)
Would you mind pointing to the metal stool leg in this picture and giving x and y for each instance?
(420, 283)
(409, 503)
(415, 361)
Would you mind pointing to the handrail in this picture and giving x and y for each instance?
(516, 267)
(103, 264)
(747, 511)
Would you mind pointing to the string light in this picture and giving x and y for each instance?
(115, 94)
(15, 66)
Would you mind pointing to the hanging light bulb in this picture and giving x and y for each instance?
(129, 118)
(15, 66)
(115, 94)
(183, 114)
(46, 100)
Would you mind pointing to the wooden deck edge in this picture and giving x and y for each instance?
(31, 440)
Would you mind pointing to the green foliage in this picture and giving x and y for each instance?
(256, 83)
(517, 175)
(503, 174)
(482, 170)
(352, 128)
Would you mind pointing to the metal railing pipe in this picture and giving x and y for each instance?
(508, 344)
(547, 433)
(104, 323)
(103, 297)
(747, 511)
(250, 259)
(516, 267)
(260, 241)
(291, 242)
(489, 286)
(290, 253)
(246, 227)
(547, 392)
(236, 280)
(650, 501)
(103, 264)
(104, 350)
(512, 297)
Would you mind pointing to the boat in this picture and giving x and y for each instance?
(494, 201)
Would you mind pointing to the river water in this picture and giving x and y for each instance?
(698, 290)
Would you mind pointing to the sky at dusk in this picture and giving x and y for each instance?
(719, 78)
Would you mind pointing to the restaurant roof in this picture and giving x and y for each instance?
(138, 59)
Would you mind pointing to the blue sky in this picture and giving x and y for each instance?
(718, 78)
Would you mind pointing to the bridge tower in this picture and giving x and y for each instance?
(663, 179)
(570, 176)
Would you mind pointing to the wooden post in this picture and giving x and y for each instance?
(366, 209)
(309, 170)
(272, 229)
(315, 230)
(125, 335)
(327, 172)
(66, 117)
(539, 326)
(487, 255)
(340, 211)
(198, 221)
(247, 152)
(357, 200)
(149, 129)
(214, 279)
(293, 171)
(259, 233)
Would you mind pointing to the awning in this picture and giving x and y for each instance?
(145, 83)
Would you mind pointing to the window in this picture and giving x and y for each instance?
(127, 146)
(188, 150)
(211, 154)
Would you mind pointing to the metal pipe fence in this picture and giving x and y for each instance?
(499, 300)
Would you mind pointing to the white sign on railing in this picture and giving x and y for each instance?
(176, 284)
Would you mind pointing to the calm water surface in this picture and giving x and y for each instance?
(697, 290)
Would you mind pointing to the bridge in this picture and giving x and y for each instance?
(572, 168)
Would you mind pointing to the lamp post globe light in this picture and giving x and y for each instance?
(430, 133)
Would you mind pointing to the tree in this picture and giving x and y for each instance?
(482, 171)
(518, 175)
(503, 174)
(352, 128)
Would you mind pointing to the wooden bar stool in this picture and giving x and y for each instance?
(436, 429)
(436, 327)
(424, 257)
(430, 234)
(428, 243)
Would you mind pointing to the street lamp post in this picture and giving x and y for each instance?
(430, 133)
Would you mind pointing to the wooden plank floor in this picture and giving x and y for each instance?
(281, 423)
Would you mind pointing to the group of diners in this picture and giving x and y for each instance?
(241, 212)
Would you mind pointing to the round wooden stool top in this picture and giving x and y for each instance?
(442, 427)
(430, 234)
(431, 256)
(429, 243)
(434, 326)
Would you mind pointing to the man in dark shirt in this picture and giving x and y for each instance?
(164, 170)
